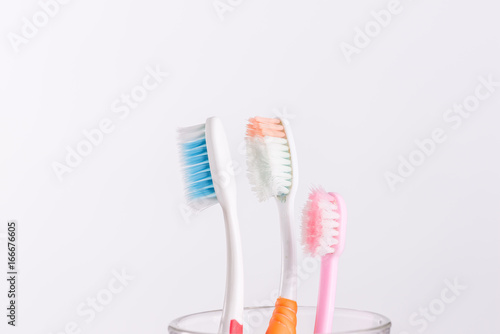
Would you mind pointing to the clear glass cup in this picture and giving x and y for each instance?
(345, 321)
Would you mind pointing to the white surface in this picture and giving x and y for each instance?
(121, 207)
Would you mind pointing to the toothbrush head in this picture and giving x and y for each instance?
(200, 192)
(324, 223)
(270, 158)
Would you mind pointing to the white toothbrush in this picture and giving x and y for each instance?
(210, 180)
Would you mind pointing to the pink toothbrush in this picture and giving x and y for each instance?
(323, 233)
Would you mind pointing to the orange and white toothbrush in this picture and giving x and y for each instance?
(273, 172)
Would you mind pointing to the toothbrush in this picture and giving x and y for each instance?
(323, 233)
(273, 172)
(210, 180)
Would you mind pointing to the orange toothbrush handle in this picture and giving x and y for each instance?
(284, 318)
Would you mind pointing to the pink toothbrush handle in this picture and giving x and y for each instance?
(326, 296)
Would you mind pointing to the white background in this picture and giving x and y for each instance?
(122, 207)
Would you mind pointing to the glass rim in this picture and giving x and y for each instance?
(174, 324)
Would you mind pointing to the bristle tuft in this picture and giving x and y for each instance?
(200, 193)
(320, 223)
(268, 158)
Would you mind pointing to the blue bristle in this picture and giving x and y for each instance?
(198, 168)
(202, 193)
(194, 144)
(195, 186)
(195, 160)
(198, 176)
(195, 151)
(199, 184)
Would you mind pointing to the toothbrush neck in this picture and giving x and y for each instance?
(288, 250)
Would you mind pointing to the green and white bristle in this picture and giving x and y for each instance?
(268, 158)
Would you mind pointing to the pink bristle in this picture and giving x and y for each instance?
(313, 216)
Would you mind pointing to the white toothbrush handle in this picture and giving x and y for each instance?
(219, 156)
(232, 312)
(288, 288)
